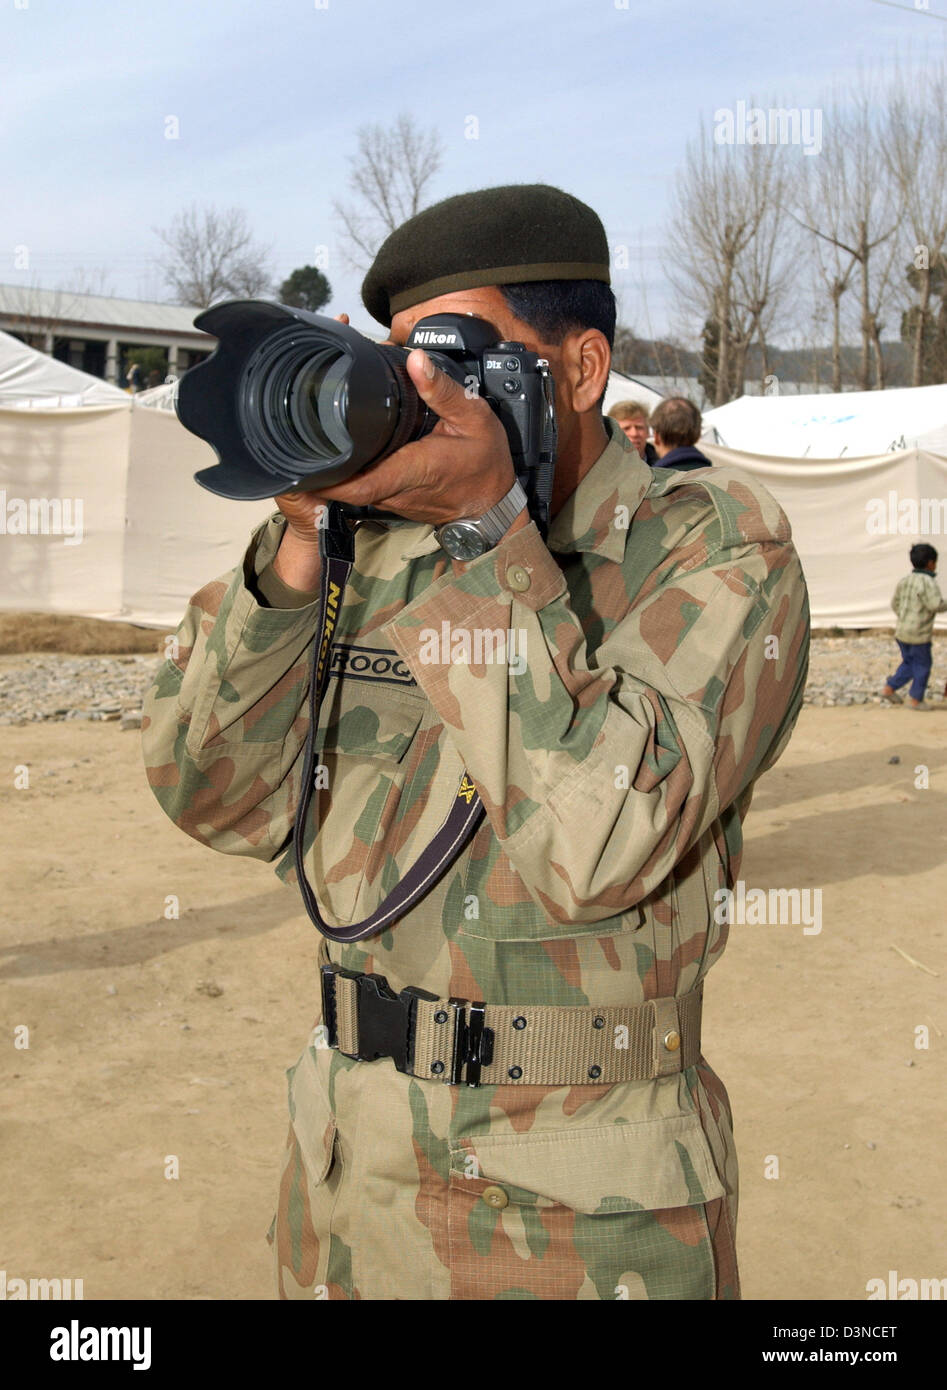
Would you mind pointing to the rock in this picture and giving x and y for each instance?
(894, 760)
(210, 988)
(131, 719)
(870, 1145)
(110, 989)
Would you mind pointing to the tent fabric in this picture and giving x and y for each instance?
(852, 424)
(148, 536)
(853, 523)
(162, 397)
(179, 536)
(30, 380)
(628, 388)
(59, 468)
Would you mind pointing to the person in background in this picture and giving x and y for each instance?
(134, 378)
(676, 425)
(917, 600)
(632, 417)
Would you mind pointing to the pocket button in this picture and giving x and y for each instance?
(495, 1197)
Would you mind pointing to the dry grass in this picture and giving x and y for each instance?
(56, 632)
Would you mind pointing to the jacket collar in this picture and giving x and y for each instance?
(589, 520)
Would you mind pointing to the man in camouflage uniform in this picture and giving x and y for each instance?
(661, 651)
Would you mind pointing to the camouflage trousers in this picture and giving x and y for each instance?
(397, 1188)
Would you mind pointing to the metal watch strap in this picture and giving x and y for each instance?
(498, 519)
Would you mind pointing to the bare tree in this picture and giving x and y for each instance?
(389, 179)
(727, 214)
(211, 255)
(850, 203)
(765, 272)
(916, 155)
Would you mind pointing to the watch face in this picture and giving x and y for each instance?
(461, 540)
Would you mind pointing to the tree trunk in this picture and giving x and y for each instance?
(917, 370)
(738, 368)
(722, 391)
(864, 375)
(879, 358)
(836, 337)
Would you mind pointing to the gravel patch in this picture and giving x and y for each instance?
(52, 687)
(852, 670)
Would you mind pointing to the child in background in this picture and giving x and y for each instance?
(916, 600)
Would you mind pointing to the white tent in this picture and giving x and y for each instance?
(853, 424)
(30, 380)
(853, 523)
(99, 513)
(178, 535)
(628, 388)
(63, 466)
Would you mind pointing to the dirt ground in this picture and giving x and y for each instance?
(151, 1037)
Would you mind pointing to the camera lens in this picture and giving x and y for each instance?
(292, 398)
(316, 403)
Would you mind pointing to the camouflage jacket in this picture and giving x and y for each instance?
(917, 601)
(660, 659)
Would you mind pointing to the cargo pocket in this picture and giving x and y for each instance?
(312, 1173)
(614, 1212)
(366, 732)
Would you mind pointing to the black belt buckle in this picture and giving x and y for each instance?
(385, 1020)
(473, 1044)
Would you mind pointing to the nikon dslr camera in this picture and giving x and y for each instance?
(291, 399)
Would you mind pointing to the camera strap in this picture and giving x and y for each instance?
(337, 550)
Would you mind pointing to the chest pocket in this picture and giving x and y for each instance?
(366, 732)
(367, 719)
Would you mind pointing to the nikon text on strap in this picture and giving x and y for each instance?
(337, 549)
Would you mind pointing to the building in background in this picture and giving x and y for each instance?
(102, 335)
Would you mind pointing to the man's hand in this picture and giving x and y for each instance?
(462, 468)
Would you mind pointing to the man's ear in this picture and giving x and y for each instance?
(587, 359)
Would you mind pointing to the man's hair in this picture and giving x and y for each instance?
(629, 410)
(557, 307)
(922, 554)
(677, 421)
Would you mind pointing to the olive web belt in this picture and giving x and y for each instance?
(462, 1041)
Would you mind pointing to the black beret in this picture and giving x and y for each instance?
(494, 236)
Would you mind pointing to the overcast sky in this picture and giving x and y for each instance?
(597, 96)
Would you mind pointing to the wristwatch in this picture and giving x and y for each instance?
(471, 537)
